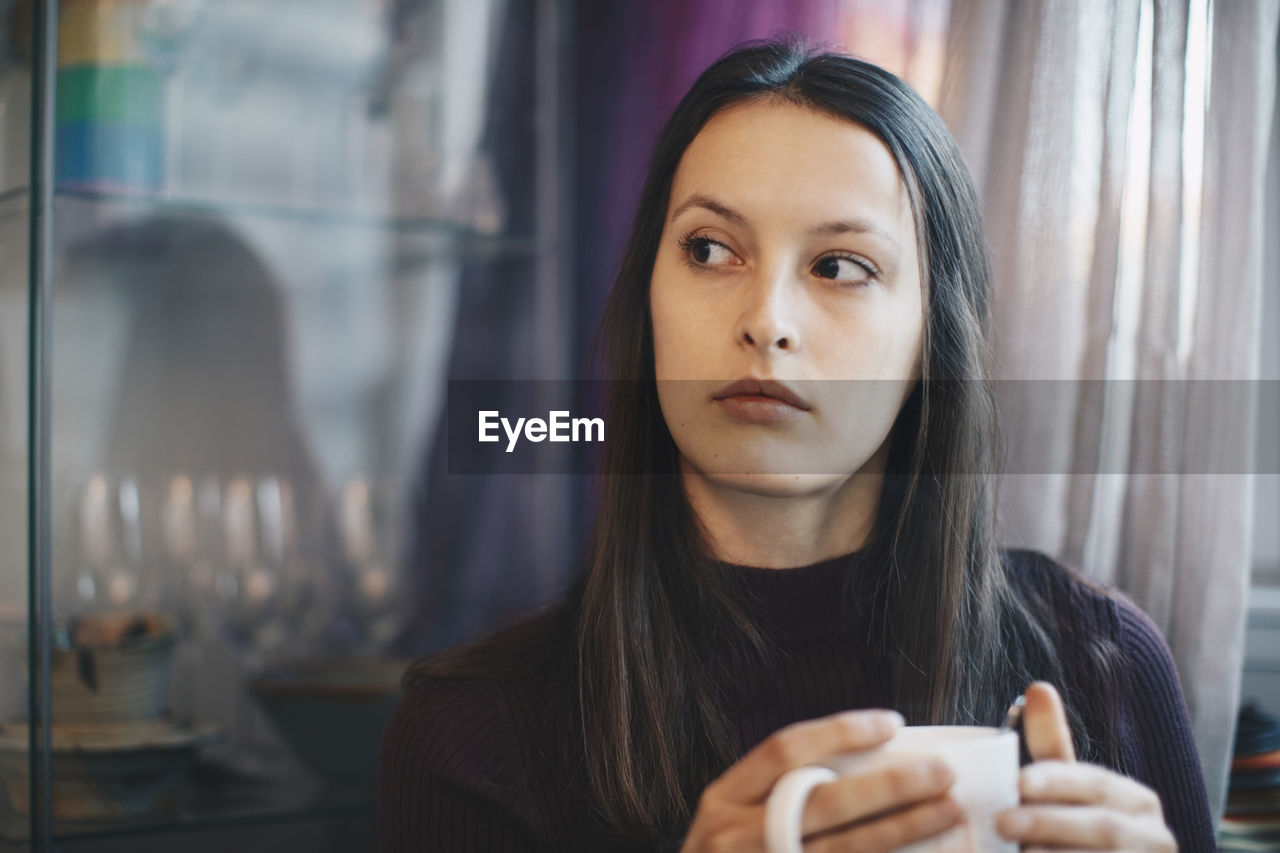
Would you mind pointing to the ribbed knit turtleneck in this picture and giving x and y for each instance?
(462, 764)
(803, 603)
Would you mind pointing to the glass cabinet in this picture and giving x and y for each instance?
(246, 245)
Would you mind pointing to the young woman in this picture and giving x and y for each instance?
(795, 529)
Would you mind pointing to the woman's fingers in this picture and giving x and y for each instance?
(860, 796)
(1044, 725)
(751, 778)
(921, 821)
(1085, 784)
(1084, 828)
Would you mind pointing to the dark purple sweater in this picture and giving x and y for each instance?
(459, 768)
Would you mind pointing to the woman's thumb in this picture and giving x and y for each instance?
(1044, 724)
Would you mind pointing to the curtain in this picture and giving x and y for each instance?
(469, 560)
(1120, 148)
(635, 61)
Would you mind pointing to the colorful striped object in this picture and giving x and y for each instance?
(99, 32)
(110, 102)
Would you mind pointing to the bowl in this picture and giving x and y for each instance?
(112, 668)
(331, 712)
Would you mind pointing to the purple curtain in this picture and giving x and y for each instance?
(635, 61)
(468, 551)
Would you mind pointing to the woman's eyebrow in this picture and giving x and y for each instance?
(856, 225)
(709, 203)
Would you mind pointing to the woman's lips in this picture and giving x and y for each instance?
(760, 401)
(758, 408)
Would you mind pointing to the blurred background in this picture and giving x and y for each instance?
(279, 229)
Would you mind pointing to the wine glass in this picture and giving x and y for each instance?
(367, 526)
(109, 570)
(245, 584)
(250, 586)
(179, 536)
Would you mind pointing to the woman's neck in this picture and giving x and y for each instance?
(782, 525)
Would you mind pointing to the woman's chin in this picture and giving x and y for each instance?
(771, 483)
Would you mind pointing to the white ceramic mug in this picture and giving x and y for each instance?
(984, 760)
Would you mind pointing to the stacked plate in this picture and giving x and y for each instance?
(105, 771)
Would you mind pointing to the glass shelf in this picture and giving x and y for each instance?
(214, 799)
(276, 229)
(429, 238)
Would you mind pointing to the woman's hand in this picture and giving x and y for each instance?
(875, 811)
(1069, 805)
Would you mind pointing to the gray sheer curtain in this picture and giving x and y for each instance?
(1120, 147)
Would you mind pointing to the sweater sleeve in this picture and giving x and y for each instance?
(447, 774)
(1155, 729)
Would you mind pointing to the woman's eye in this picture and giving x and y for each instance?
(707, 252)
(843, 269)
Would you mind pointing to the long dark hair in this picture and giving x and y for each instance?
(653, 609)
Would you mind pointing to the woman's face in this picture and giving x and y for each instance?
(789, 254)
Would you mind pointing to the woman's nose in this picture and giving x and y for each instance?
(768, 321)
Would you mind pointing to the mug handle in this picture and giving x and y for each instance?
(785, 807)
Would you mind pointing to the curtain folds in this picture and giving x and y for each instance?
(1120, 149)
